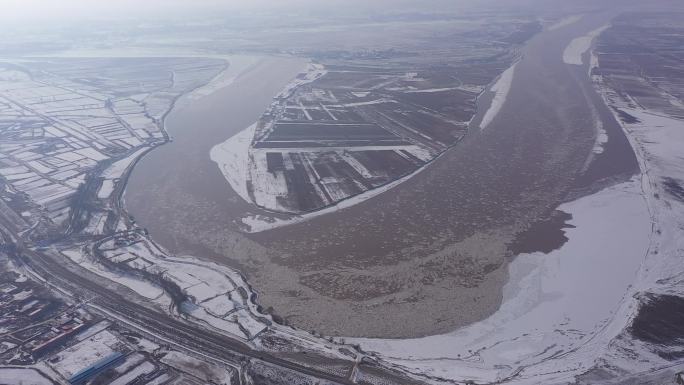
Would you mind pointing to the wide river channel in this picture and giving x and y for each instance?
(432, 251)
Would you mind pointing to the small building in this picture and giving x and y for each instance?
(7, 288)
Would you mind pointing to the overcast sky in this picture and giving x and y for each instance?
(71, 10)
(52, 9)
(66, 11)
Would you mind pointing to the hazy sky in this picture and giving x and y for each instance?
(53, 9)
(69, 10)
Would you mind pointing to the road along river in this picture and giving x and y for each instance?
(433, 251)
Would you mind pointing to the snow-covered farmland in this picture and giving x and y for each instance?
(317, 146)
(248, 172)
(257, 223)
(60, 119)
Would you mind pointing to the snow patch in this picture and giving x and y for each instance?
(232, 157)
(579, 46)
(501, 89)
(601, 140)
(259, 223)
(106, 189)
(558, 310)
(140, 286)
(19, 376)
(85, 353)
(238, 65)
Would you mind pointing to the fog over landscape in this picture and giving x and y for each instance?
(341, 192)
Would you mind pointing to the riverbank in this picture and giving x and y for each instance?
(433, 250)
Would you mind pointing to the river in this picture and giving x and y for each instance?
(432, 251)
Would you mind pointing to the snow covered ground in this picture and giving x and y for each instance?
(658, 140)
(197, 368)
(500, 89)
(312, 72)
(237, 65)
(118, 168)
(246, 168)
(567, 312)
(138, 285)
(232, 157)
(214, 291)
(142, 369)
(75, 123)
(579, 46)
(559, 310)
(106, 189)
(258, 223)
(85, 353)
(20, 376)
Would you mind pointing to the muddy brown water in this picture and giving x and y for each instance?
(431, 252)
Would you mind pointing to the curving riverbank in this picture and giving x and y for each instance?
(433, 250)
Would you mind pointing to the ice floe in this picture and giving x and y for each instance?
(559, 310)
(579, 46)
(500, 89)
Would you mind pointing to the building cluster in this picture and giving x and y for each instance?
(44, 340)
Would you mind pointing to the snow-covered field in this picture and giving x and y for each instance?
(21, 376)
(258, 223)
(312, 72)
(246, 168)
(195, 367)
(500, 89)
(558, 310)
(213, 291)
(117, 169)
(579, 46)
(106, 189)
(138, 285)
(658, 141)
(144, 368)
(232, 157)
